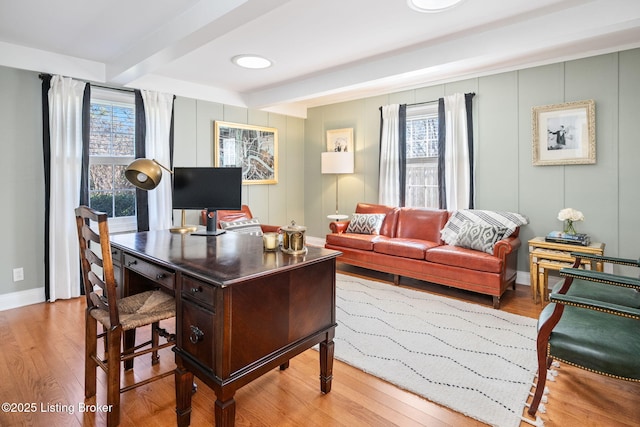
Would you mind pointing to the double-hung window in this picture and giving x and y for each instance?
(422, 156)
(111, 149)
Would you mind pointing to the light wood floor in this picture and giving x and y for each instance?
(41, 365)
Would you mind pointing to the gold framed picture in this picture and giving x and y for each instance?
(254, 148)
(340, 140)
(564, 134)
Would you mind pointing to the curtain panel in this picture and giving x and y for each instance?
(158, 114)
(455, 152)
(64, 152)
(393, 153)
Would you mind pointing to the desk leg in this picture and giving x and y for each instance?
(326, 363)
(534, 280)
(225, 411)
(184, 390)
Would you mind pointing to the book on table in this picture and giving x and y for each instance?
(571, 239)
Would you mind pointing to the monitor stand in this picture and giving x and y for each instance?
(212, 221)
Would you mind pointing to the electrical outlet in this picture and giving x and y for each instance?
(18, 274)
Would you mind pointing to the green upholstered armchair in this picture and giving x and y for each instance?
(592, 322)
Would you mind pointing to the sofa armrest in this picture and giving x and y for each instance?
(504, 247)
(338, 227)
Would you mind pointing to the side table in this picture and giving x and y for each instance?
(545, 256)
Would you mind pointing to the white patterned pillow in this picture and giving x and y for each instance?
(245, 226)
(365, 223)
(508, 220)
(479, 237)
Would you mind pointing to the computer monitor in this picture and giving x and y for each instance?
(207, 188)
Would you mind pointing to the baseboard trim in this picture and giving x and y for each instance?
(21, 298)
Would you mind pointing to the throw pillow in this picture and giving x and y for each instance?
(245, 226)
(365, 223)
(479, 237)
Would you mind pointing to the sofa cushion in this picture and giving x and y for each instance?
(465, 258)
(420, 223)
(352, 240)
(388, 227)
(245, 226)
(365, 223)
(510, 220)
(480, 237)
(407, 248)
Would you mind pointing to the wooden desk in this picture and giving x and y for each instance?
(241, 312)
(545, 256)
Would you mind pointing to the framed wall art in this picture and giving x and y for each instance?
(254, 148)
(564, 134)
(340, 140)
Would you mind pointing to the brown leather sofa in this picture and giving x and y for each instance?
(409, 244)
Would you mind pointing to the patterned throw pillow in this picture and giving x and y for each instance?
(245, 226)
(365, 223)
(479, 237)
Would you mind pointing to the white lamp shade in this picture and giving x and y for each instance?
(337, 162)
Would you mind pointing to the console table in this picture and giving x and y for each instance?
(241, 312)
(545, 256)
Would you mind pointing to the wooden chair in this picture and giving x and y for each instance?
(592, 322)
(116, 315)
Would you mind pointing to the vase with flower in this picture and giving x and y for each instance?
(569, 216)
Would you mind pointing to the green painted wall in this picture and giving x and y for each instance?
(606, 192)
(275, 204)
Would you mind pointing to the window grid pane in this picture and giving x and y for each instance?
(422, 161)
(111, 148)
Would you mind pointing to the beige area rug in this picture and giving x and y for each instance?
(475, 360)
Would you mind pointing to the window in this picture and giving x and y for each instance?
(422, 156)
(111, 149)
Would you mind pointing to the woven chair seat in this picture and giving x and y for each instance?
(140, 310)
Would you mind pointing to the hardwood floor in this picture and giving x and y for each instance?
(42, 368)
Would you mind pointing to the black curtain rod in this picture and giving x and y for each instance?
(435, 100)
(123, 89)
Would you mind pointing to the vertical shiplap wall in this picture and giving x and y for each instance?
(275, 204)
(607, 192)
(22, 177)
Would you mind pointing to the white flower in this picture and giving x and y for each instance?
(570, 214)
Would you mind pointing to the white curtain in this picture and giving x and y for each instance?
(389, 184)
(158, 108)
(457, 171)
(65, 126)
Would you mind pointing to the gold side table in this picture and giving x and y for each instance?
(545, 256)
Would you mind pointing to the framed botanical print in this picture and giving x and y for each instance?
(254, 148)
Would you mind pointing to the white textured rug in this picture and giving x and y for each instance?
(473, 359)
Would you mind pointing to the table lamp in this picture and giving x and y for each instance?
(146, 174)
(337, 162)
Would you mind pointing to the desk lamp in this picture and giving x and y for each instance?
(146, 174)
(337, 162)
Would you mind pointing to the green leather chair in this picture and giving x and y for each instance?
(592, 322)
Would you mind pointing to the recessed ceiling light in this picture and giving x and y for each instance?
(431, 6)
(251, 61)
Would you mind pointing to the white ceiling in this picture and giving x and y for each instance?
(323, 51)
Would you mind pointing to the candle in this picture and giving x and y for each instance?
(270, 241)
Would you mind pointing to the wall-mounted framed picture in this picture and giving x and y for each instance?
(254, 148)
(340, 140)
(564, 134)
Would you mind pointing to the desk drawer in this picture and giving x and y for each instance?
(161, 276)
(198, 333)
(198, 291)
